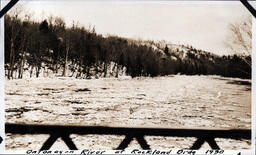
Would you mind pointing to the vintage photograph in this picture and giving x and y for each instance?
(108, 75)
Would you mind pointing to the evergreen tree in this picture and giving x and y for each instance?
(166, 50)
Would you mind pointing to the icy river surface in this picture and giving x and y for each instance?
(167, 102)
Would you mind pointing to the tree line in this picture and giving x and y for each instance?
(50, 47)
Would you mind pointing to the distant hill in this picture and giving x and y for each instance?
(49, 48)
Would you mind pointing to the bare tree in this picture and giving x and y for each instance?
(15, 28)
(240, 39)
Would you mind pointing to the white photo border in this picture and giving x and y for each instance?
(253, 98)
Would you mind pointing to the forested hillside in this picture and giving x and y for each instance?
(50, 48)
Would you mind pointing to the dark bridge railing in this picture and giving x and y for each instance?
(63, 132)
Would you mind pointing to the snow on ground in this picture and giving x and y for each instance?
(176, 101)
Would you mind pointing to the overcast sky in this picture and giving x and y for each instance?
(202, 25)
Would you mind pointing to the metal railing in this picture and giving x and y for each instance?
(63, 132)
